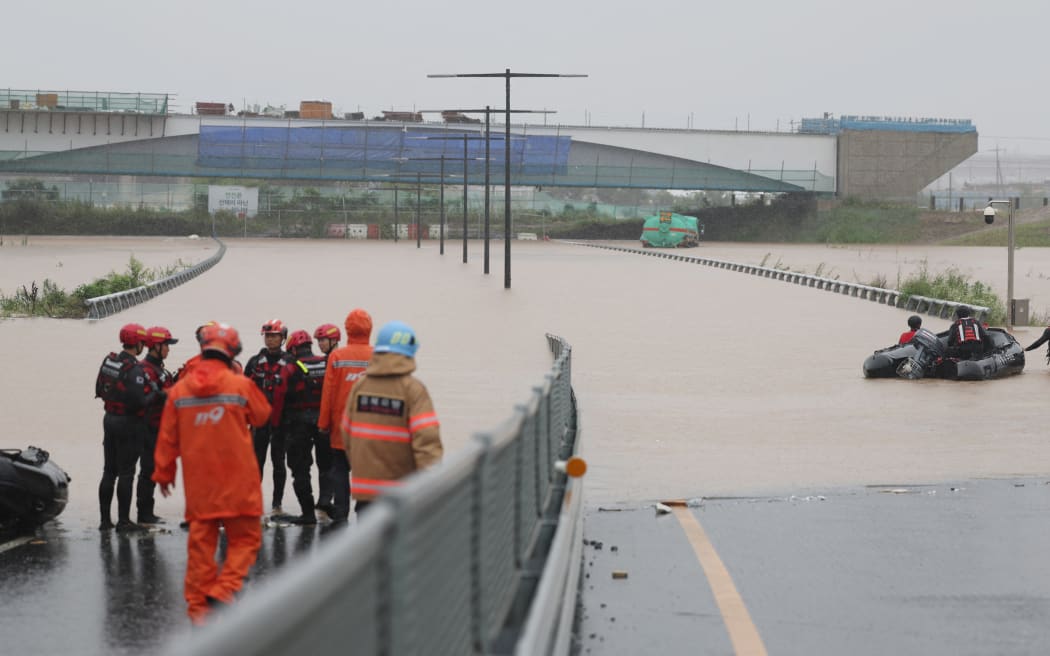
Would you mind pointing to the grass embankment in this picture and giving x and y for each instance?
(1031, 235)
(50, 300)
(951, 285)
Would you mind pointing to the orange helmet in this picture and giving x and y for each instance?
(298, 338)
(222, 338)
(275, 326)
(329, 330)
(132, 334)
(158, 335)
(200, 329)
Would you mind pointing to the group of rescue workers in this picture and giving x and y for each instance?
(352, 404)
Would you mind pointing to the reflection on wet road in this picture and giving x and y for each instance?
(86, 592)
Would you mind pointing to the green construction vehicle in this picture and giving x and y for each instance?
(670, 230)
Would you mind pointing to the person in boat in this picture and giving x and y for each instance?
(914, 323)
(205, 424)
(967, 338)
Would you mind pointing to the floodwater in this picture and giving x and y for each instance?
(692, 381)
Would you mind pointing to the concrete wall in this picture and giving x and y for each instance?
(897, 165)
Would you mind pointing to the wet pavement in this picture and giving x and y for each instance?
(81, 591)
(947, 568)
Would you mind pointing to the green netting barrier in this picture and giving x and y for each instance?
(83, 101)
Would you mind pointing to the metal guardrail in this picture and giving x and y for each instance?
(480, 555)
(921, 304)
(104, 306)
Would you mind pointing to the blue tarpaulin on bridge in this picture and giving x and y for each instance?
(405, 150)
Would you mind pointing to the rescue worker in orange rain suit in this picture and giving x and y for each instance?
(159, 379)
(205, 423)
(186, 366)
(389, 426)
(121, 384)
(345, 365)
(265, 368)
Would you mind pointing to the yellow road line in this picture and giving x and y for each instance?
(11, 544)
(742, 631)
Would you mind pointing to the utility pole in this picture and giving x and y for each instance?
(507, 75)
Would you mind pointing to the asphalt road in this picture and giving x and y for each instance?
(952, 568)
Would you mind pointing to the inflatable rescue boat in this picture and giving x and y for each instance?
(33, 489)
(927, 356)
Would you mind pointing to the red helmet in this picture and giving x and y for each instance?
(275, 326)
(329, 330)
(222, 338)
(132, 334)
(298, 338)
(158, 335)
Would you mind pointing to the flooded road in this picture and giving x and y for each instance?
(692, 382)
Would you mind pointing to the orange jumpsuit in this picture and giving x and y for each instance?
(205, 422)
(345, 366)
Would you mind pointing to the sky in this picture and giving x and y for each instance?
(758, 64)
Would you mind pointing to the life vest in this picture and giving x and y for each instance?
(266, 374)
(307, 382)
(157, 378)
(966, 331)
(112, 383)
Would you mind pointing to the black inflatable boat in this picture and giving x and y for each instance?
(927, 356)
(33, 489)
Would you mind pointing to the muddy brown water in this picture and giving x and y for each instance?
(692, 381)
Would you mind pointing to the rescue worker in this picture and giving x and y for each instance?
(186, 366)
(205, 423)
(967, 338)
(297, 403)
(158, 342)
(121, 384)
(264, 369)
(345, 365)
(327, 336)
(389, 427)
(914, 323)
(1039, 342)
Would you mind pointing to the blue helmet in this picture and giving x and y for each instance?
(397, 337)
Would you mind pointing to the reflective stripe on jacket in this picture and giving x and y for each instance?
(205, 423)
(389, 426)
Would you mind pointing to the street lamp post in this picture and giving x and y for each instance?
(989, 216)
(506, 172)
(488, 157)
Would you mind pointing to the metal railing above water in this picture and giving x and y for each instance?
(110, 304)
(931, 306)
(480, 555)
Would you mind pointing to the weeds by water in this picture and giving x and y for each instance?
(952, 285)
(50, 300)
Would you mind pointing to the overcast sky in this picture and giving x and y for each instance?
(761, 64)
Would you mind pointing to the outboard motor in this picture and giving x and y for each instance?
(928, 350)
(33, 489)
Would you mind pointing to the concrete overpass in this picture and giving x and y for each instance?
(879, 161)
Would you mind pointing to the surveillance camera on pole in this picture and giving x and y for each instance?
(989, 215)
